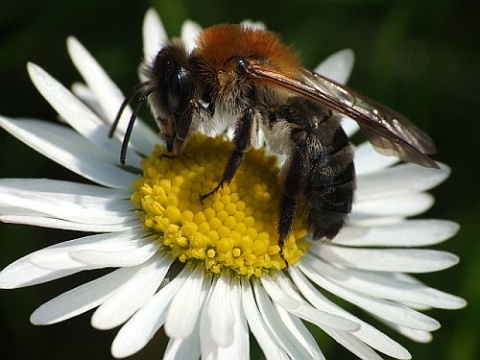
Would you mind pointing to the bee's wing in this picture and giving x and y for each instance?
(389, 132)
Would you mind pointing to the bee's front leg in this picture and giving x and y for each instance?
(187, 123)
(241, 141)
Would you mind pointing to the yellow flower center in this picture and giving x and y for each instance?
(235, 228)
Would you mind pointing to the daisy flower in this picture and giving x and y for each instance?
(210, 273)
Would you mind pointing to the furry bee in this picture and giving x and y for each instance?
(248, 79)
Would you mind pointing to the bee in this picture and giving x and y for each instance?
(247, 79)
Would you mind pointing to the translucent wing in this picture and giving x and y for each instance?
(389, 132)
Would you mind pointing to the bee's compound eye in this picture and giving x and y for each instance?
(180, 90)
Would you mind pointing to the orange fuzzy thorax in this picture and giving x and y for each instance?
(218, 47)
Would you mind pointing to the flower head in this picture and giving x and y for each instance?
(209, 272)
(233, 229)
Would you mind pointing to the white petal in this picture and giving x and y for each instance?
(77, 114)
(57, 259)
(23, 273)
(204, 327)
(53, 262)
(354, 345)
(58, 208)
(64, 187)
(258, 25)
(393, 206)
(80, 299)
(110, 99)
(89, 204)
(223, 327)
(259, 329)
(346, 339)
(367, 333)
(218, 312)
(138, 331)
(186, 306)
(444, 301)
(300, 332)
(133, 294)
(187, 348)
(302, 309)
(240, 347)
(115, 256)
(281, 296)
(407, 233)
(369, 221)
(42, 221)
(58, 256)
(398, 180)
(413, 334)
(70, 150)
(348, 125)
(383, 285)
(66, 203)
(337, 66)
(84, 93)
(384, 309)
(282, 334)
(368, 160)
(401, 260)
(96, 78)
(190, 32)
(154, 35)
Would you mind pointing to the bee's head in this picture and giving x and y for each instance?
(171, 90)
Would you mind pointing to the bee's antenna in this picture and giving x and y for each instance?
(143, 98)
(125, 102)
(128, 132)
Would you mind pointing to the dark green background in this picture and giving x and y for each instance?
(421, 58)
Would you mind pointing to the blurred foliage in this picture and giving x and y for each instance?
(420, 58)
